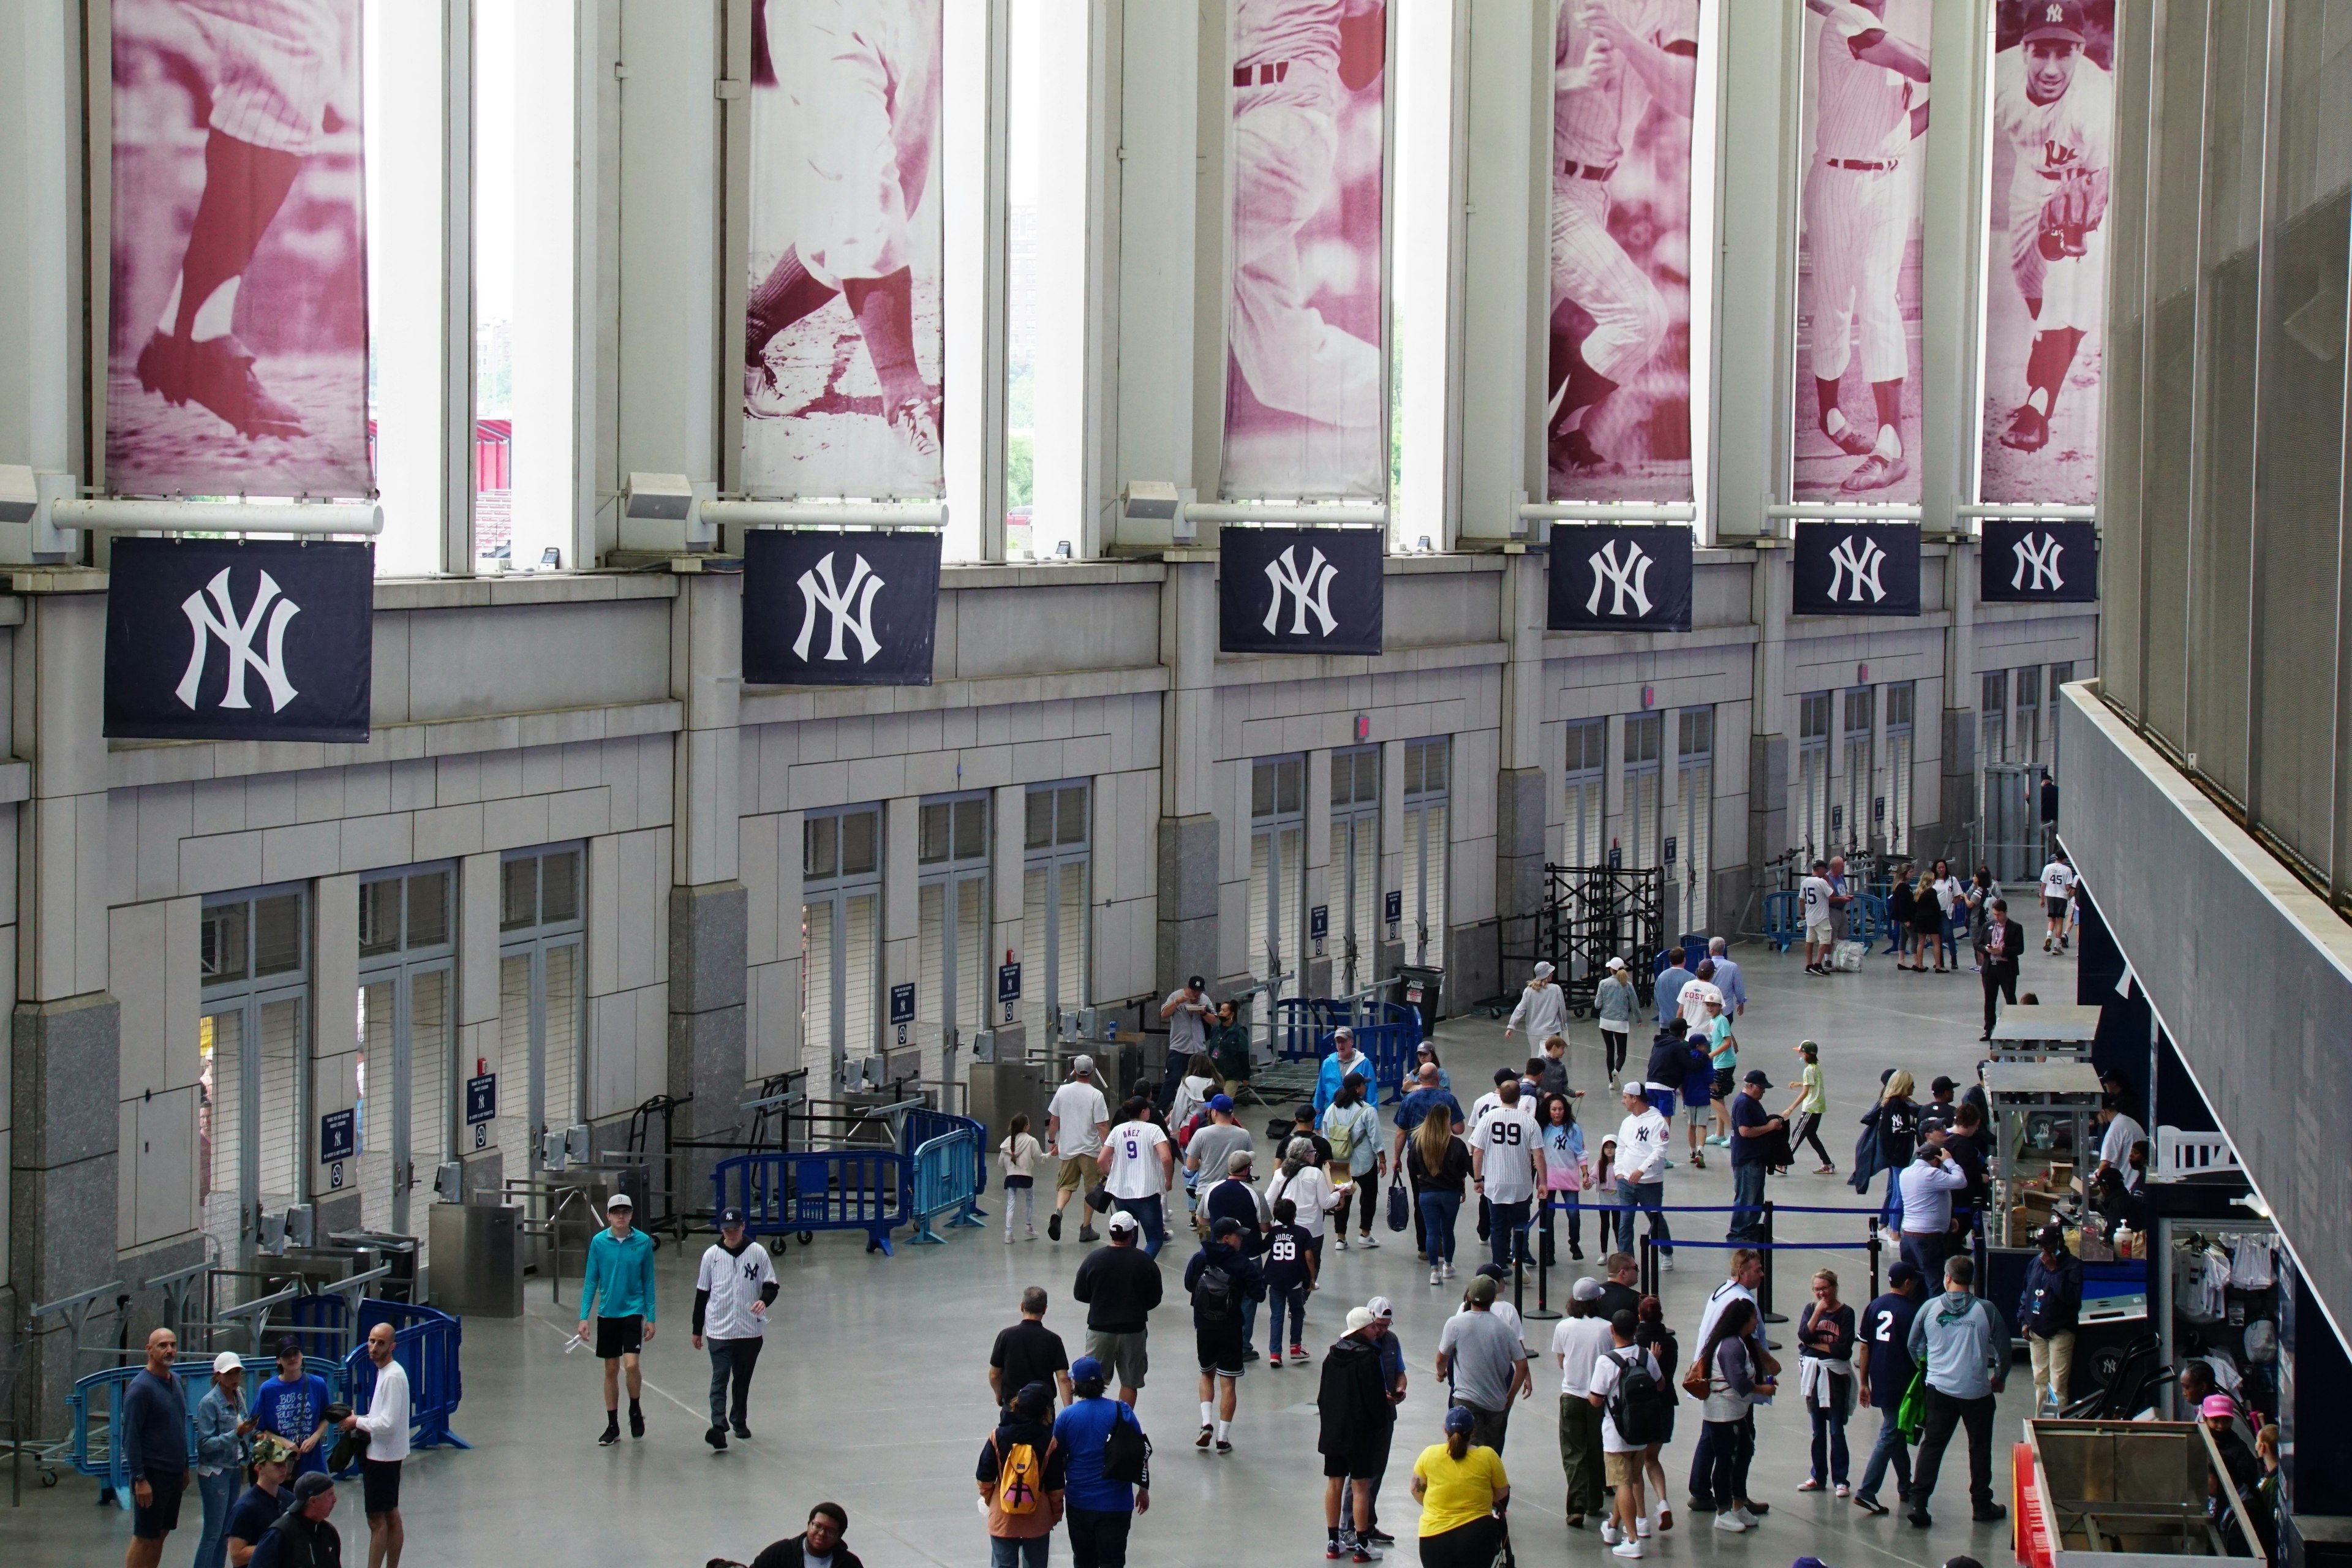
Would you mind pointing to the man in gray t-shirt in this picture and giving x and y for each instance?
(1186, 1010)
(1207, 1152)
(1484, 1363)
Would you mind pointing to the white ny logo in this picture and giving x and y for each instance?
(851, 609)
(1628, 580)
(2055, 13)
(1862, 565)
(237, 642)
(2041, 558)
(1310, 595)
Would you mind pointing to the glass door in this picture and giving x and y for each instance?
(252, 1047)
(951, 986)
(1056, 862)
(407, 1019)
(841, 936)
(1695, 814)
(540, 1001)
(1277, 884)
(1428, 802)
(1355, 891)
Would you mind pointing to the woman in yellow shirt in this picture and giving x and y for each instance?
(1462, 1490)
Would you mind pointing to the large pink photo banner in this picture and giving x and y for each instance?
(238, 351)
(1624, 87)
(1864, 138)
(843, 332)
(2046, 267)
(1306, 396)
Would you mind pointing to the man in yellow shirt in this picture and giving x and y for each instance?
(1463, 1491)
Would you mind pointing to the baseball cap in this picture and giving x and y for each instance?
(1943, 1084)
(1226, 1226)
(1382, 1307)
(620, 1201)
(1196, 983)
(312, 1484)
(1459, 1419)
(1902, 1274)
(1360, 1318)
(1586, 1290)
(1221, 1102)
(1081, 1064)
(1482, 1290)
(2053, 1232)
(2054, 20)
(226, 1362)
(1303, 1114)
(269, 1448)
(2220, 1405)
(1633, 1090)
(1615, 962)
(1343, 1033)
(1758, 1077)
(1086, 1369)
(1238, 1162)
(1934, 1124)
(287, 1346)
(730, 1216)
(1122, 1220)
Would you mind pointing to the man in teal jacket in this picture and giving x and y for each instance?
(621, 1272)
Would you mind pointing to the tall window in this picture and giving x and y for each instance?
(407, 1015)
(1813, 775)
(1056, 863)
(1900, 752)
(2059, 675)
(1588, 766)
(1694, 813)
(2029, 714)
(1644, 790)
(1045, 282)
(1859, 715)
(1992, 717)
(841, 938)
(1355, 891)
(403, 61)
(1428, 800)
(1421, 78)
(254, 956)
(542, 1000)
(953, 985)
(1278, 890)
(526, 364)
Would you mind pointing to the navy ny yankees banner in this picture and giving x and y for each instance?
(1299, 590)
(1857, 569)
(823, 608)
(1620, 576)
(211, 639)
(2025, 562)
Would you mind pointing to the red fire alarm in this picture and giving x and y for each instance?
(1363, 728)
(1861, 675)
(1649, 697)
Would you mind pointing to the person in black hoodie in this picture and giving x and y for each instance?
(302, 1538)
(2047, 1312)
(1357, 1420)
(1894, 1121)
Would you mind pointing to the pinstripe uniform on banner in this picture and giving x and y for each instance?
(1592, 66)
(278, 61)
(1870, 103)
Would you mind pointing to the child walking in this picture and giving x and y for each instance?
(1018, 1154)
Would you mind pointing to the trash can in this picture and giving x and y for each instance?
(1419, 987)
(397, 1253)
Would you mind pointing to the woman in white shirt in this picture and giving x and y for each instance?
(1953, 895)
(1304, 1184)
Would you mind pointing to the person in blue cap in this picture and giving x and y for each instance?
(1098, 1508)
(733, 1293)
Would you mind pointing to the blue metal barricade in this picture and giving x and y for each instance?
(829, 1189)
(944, 1181)
(426, 1344)
(919, 1126)
(95, 1410)
(1391, 1047)
(1299, 1028)
(1867, 920)
(1783, 920)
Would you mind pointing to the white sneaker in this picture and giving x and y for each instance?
(1641, 1527)
(1433, 1276)
(1342, 1241)
(1008, 1238)
(1610, 1534)
(1746, 1519)
(1728, 1523)
(1667, 1261)
(1626, 1549)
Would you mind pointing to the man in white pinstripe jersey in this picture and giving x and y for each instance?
(279, 66)
(1869, 105)
(1597, 44)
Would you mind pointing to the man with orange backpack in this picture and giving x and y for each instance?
(1022, 1473)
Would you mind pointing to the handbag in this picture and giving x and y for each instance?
(1399, 1207)
(1127, 1452)
(1098, 1198)
(1911, 1411)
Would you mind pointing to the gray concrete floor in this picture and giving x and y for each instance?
(873, 1389)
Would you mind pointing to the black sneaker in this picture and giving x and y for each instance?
(612, 1435)
(1085, 1234)
(1869, 1505)
(1918, 1516)
(1223, 1447)
(1207, 1435)
(1990, 1513)
(636, 1422)
(1380, 1537)
(743, 1431)
(1053, 1226)
(717, 1438)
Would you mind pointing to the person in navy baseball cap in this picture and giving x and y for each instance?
(2055, 19)
(733, 1292)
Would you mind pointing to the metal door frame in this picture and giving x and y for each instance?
(247, 996)
(1413, 817)
(946, 875)
(1051, 857)
(399, 969)
(535, 948)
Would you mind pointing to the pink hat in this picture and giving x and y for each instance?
(2220, 1405)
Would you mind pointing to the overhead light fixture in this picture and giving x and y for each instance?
(666, 497)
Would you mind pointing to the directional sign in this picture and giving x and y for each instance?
(902, 1008)
(1392, 906)
(481, 1098)
(338, 1135)
(1008, 987)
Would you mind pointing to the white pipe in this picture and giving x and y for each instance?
(1857, 512)
(364, 517)
(1276, 512)
(2041, 509)
(1608, 512)
(826, 514)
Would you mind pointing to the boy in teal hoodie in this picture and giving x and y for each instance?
(621, 1270)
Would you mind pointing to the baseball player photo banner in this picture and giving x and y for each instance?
(211, 639)
(1864, 136)
(843, 332)
(1306, 391)
(1624, 87)
(1856, 568)
(1620, 576)
(828, 607)
(2054, 122)
(2035, 563)
(238, 351)
(1300, 590)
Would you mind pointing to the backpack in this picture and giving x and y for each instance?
(1019, 1476)
(1638, 1408)
(1212, 1294)
(1127, 1452)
